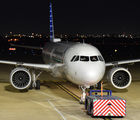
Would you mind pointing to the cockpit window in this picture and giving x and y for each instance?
(73, 58)
(76, 59)
(84, 58)
(93, 58)
(100, 58)
(87, 58)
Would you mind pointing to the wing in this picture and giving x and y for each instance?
(30, 47)
(44, 67)
(114, 63)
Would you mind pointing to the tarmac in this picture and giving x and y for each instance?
(53, 103)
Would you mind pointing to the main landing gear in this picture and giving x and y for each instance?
(35, 83)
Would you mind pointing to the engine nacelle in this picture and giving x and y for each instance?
(20, 78)
(119, 77)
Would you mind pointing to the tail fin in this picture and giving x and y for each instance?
(52, 39)
(51, 24)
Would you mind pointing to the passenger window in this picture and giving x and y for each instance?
(93, 58)
(73, 58)
(76, 59)
(100, 58)
(84, 58)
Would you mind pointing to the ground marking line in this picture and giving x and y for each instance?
(40, 104)
(57, 110)
(67, 91)
(62, 112)
(48, 107)
(53, 96)
(53, 109)
(53, 99)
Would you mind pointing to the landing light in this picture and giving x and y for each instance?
(115, 50)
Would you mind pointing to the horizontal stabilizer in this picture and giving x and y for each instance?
(30, 47)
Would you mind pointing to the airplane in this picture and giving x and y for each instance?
(80, 63)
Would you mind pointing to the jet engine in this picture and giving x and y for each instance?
(20, 78)
(119, 77)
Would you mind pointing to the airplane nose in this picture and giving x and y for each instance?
(92, 75)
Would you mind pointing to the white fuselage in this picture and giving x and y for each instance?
(83, 63)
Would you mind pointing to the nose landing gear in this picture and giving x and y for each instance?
(82, 99)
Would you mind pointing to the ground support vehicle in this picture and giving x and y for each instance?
(105, 105)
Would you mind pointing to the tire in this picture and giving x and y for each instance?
(99, 85)
(88, 111)
(31, 86)
(37, 85)
(91, 110)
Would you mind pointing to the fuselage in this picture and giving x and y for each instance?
(83, 63)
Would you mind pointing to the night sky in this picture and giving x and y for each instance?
(70, 17)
